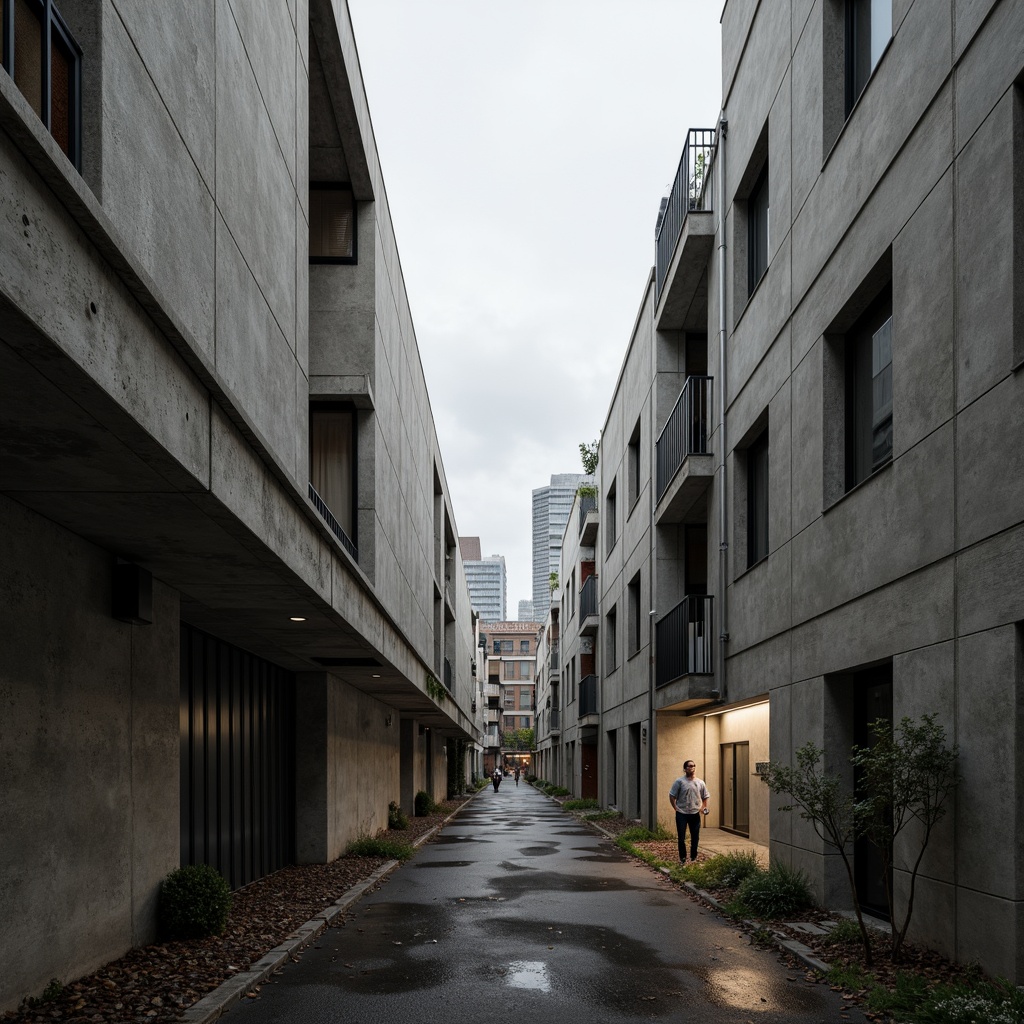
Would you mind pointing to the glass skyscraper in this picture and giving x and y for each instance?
(551, 507)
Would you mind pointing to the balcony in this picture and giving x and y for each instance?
(684, 465)
(588, 708)
(328, 517)
(685, 641)
(588, 519)
(555, 722)
(553, 657)
(588, 606)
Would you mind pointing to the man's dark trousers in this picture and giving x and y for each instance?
(682, 820)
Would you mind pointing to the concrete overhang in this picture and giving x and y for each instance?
(589, 625)
(354, 388)
(686, 488)
(686, 693)
(686, 272)
(589, 532)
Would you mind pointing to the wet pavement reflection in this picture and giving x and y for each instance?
(541, 918)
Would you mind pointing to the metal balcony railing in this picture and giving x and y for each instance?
(692, 189)
(328, 518)
(448, 674)
(685, 640)
(555, 720)
(588, 696)
(588, 597)
(553, 658)
(686, 431)
(588, 503)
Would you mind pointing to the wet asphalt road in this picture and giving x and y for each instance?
(517, 912)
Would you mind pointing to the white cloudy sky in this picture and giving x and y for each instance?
(525, 146)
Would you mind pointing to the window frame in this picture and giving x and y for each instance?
(758, 479)
(336, 186)
(51, 22)
(853, 43)
(353, 412)
(758, 202)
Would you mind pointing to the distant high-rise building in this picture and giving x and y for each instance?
(551, 507)
(486, 580)
(526, 611)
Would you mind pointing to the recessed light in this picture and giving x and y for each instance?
(376, 675)
(298, 618)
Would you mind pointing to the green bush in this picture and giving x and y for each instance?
(589, 804)
(559, 791)
(379, 846)
(902, 999)
(846, 930)
(194, 903)
(531, 778)
(723, 871)
(397, 819)
(424, 804)
(992, 1002)
(777, 892)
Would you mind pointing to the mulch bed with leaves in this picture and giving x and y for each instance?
(154, 984)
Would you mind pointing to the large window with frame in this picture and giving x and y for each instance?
(868, 30)
(869, 391)
(757, 500)
(332, 223)
(757, 230)
(332, 462)
(40, 54)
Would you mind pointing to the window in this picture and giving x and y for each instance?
(757, 500)
(757, 230)
(634, 615)
(332, 462)
(497, 647)
(524, 646)
(525, 699)
(44, 60)
(332, 224)
(634, 465)
(609, 517)
(869, 392)
(868, 31)
(510, 670)
(611, 657)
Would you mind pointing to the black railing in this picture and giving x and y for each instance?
(685, 640)
(588, 503)
(588, 597)
(686, 432)
(691, 190)
(553, 658)
(555, 721)
(448, 674)
(588, 696)
(336, 529)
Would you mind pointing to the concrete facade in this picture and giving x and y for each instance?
(837, 587)
(163, 340)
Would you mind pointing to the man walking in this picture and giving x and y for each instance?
(689, 799)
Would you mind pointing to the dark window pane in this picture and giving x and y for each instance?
(757, 500)
(28, 54)
(869, 398)
(868, 30)
(332, 463)
(757, 231)
(61, 65)
(331, 224)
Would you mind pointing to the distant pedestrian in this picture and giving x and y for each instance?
(496, 779)
(689, 799)
(517, 775)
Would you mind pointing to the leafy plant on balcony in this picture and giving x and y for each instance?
(553, 582)
(586, 491)
(588, 456)
(435, 689)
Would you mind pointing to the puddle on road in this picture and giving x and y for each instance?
(442, 863)
(529, 974)
(450, 840)
(539, 851)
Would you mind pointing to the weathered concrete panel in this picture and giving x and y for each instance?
(807, 455)
(988, 581)
(990, 57)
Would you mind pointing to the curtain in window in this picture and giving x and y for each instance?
(332, 463)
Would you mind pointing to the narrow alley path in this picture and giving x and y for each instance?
(517, 911)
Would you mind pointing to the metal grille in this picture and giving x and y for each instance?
(237, 760)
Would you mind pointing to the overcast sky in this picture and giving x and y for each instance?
(525, 147)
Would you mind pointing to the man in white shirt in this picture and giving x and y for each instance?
(689, 799)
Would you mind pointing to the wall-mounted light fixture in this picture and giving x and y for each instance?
(132, 594)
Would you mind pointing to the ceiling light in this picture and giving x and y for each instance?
(298, 618)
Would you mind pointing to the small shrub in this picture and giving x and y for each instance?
(588, 804)
(560, 791)
(531, 778)
(762, 937)
(194, 903)
(723, 871)
(380, 846)
(850, 977)
(397, 819)
(846, 930)
(992, 1002)
(905, 996)
(424, 804)
(777, 892)
(636, 834)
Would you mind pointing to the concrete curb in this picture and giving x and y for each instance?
(232, 991)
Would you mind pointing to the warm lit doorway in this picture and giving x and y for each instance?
(735, 762)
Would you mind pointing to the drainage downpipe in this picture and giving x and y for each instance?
(723, 520)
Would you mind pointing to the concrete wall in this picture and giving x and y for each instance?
(89, 749)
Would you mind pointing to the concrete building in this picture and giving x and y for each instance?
(551, 505)
(486, 580)
(526, 611)
(236, 617)
(811, 513)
